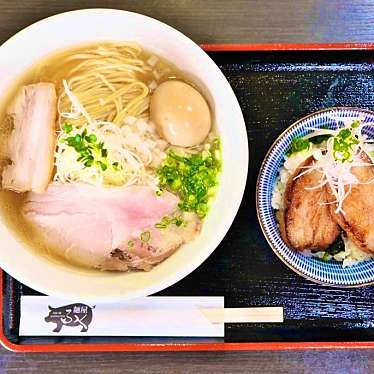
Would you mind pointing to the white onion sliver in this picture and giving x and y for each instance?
(338, 175)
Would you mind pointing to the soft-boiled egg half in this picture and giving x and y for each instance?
(180, 113)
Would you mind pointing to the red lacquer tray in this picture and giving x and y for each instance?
(313, 319)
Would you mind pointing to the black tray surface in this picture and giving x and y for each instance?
(274, 90)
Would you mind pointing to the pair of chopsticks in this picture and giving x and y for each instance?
(244, 315)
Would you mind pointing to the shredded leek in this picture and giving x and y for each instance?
(104, 153)
(345, 147)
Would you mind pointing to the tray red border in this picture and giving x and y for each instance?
(126, 347)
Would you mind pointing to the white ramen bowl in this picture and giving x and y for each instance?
(84, 26)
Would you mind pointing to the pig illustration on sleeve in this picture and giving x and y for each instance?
(70, 315)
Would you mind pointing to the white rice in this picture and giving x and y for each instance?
(352, 255)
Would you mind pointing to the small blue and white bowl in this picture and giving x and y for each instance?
(328, 273)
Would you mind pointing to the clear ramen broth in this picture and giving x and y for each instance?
(118, 165)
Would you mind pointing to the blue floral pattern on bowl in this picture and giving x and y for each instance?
(330, 273)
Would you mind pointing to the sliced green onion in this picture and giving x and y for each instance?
(92, 138)
(90, 152)
(297, 145)
(192, 177)
(88, 163)
(68, 128)
(326, 257)
(145, 236)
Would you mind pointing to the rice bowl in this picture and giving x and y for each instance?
(350, 254)
(313, 268)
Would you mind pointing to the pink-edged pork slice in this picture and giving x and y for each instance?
(32, 141)
(141, 255)
(108, 228)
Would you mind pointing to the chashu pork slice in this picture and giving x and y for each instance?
(108, 228)
(358, 207)
(307, 220)
(32, 141)
(162, 243)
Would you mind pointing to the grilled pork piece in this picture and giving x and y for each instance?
(358, 208)
(307, 220)
(31, 144)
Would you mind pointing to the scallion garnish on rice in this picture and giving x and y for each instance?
(344, 148)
